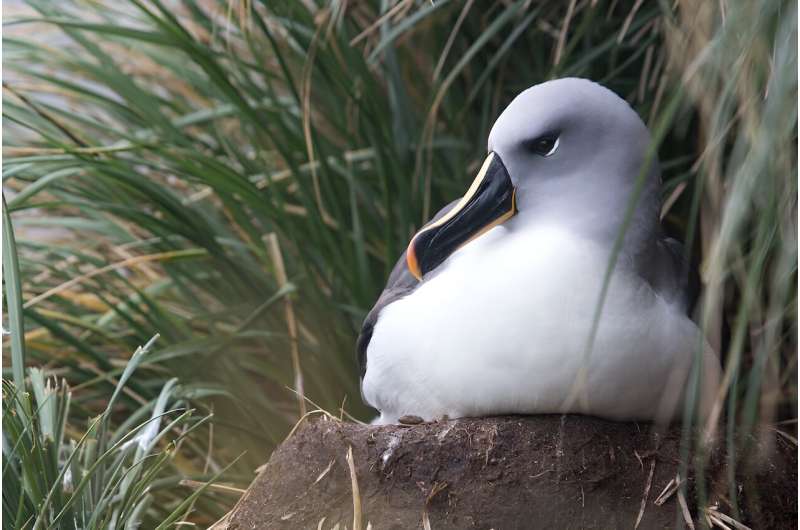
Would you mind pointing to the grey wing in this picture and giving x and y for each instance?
(401, 282)
(672, 275)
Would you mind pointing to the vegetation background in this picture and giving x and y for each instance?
(239, 177)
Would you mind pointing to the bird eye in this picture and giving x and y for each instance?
(544, 145)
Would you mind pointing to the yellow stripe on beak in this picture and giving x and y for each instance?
(489, 201)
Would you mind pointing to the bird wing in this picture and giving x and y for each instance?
(400, 284)
(672, 276)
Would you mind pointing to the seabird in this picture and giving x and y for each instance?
(492, 308)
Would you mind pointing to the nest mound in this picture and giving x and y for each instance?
(524, 472)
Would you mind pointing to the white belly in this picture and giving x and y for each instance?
(503, 328)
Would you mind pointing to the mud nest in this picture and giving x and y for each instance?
(512, 472)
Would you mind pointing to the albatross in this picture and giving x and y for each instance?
(549, 287)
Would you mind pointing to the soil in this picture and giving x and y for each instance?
(506, 473)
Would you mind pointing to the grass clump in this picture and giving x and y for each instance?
(55, 476)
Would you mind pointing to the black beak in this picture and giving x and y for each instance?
(489, 201)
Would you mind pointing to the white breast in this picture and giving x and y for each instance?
(503, 328)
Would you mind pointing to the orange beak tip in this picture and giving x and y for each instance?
(411, 261)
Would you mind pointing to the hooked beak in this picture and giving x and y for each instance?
(490, 200)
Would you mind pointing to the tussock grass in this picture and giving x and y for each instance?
(104, 477)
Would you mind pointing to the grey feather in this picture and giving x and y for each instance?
(668, 272)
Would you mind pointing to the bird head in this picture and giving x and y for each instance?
(568, 153)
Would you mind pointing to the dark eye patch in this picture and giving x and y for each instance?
(543, 145)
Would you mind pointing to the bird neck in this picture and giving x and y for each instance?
(602, 216)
